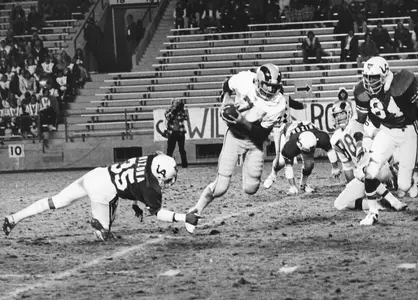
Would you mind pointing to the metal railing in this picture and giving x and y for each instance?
(150, 30)
(96, 12)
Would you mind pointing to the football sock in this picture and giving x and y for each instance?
(33, 209)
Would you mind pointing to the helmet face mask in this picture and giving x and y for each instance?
(341, 114)
(268, 81)
(375, 71)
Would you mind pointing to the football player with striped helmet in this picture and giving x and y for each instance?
(260, 105)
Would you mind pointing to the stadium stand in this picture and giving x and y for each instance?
(28, 37)
(192, 66)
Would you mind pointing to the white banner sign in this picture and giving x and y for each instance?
(124, 2)
(16, 151)
(203, 123)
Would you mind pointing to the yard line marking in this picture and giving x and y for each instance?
(51, 280)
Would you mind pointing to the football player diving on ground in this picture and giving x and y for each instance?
(139, 179)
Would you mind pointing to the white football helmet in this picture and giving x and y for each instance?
(307, 141)
(268, 81)
(164, 168)
(375, 73)
(341, 114)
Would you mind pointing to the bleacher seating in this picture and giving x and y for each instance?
(193, 66)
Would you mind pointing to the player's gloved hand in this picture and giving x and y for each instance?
(138, 212)
(335, 172)
(192, 218)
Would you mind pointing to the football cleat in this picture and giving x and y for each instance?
(8, 225)
(370, 219)
(269, 181)
(307, 189)
(292, 190)
(100, 232)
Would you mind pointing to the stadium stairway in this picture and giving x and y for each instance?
(192, 67)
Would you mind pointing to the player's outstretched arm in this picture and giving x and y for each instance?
(190, 219)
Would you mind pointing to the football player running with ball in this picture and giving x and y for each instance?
(344, 145)
(257, 107)
(390, 100)
(303, 138)
(137, 179)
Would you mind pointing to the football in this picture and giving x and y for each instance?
(230, 110)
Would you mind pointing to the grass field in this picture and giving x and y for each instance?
(266, 246)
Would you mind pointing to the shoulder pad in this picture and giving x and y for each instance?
(360, 93)
(401, 82)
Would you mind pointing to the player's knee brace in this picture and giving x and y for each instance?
(220, 185)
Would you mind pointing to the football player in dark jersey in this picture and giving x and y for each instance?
(303, 138)
(139, 179)
(389, 100)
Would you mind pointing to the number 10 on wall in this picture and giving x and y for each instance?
(16, 151)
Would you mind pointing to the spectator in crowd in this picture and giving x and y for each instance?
(48, 66)
(30, 65)
(240, 17)
(381, 37)
(402, 38)
(346, 21)
(131, 34)
(176, 130)
(272, 10)
(34, 20)
(4, 47)
(373, 8)
(415, 37)
(311, 47)
(39, 53)
(82, 76)
(47, 112)
(320, 14)
(27, 83)
(92, 35)
(179, 15)
(211, 17)
(390, 8)
(258, 12)
(4, 86)
(349, 47)
(35, 37)
(368, 49)
(18, 19)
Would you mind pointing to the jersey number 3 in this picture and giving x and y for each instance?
(124, 174)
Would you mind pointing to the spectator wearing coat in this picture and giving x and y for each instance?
(349, 47)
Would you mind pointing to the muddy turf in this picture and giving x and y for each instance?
(266, 246)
